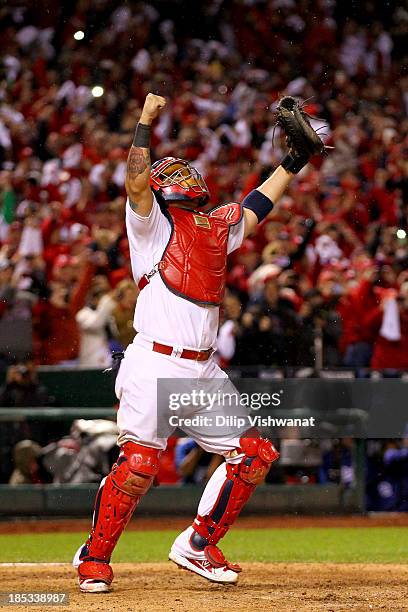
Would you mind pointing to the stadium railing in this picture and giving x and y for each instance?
(86, 394)
(77, 500)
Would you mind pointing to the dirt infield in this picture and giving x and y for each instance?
(177, 522)
(262, 587)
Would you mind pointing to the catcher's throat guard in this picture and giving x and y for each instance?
(176, 180)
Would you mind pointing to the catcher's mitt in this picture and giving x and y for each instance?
(302, 140)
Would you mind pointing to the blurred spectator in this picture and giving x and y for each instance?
(194, 465)
(387, 475)
(57, 317)
(269, 328)
(337, 462)
(93, 321)
(390, 322)
(228, 334)
(26, 468)
(300, 460)
(85, 455)
(22, 388)
(125, 296)
(319, 316)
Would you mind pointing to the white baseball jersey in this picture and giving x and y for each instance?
(161, 315)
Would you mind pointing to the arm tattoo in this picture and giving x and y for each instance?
(133, 205)
(138, 161)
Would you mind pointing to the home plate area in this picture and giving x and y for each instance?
(262, 586)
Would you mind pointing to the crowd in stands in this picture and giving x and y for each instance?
(330, 264)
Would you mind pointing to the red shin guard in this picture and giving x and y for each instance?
(130, 478)
(241, 481)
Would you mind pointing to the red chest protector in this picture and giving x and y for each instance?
(194, 262)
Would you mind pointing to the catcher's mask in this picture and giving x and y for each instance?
(174, 179)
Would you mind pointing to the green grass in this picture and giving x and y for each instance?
(340, 545)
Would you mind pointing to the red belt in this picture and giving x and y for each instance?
(185, 353)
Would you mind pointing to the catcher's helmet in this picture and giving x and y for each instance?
(176, 180)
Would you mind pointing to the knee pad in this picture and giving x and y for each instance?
(259, 453)
(241, 481)
(136, 468)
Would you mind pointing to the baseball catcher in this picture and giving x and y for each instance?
(179, 261)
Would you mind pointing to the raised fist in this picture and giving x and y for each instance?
(152, 106)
